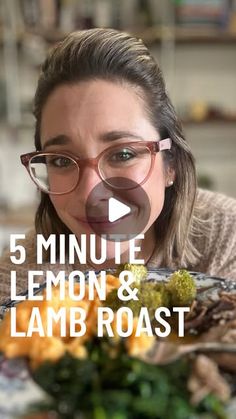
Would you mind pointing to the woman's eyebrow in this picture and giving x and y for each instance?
(58, 140)
(117, 135)
(63, 139)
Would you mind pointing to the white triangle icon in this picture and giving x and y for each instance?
(116, 209)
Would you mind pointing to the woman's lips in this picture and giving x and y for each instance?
(98, 220)
(89, 220)
(101, 221)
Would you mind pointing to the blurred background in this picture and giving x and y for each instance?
(193, 40)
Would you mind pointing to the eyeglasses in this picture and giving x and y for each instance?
(59, 173)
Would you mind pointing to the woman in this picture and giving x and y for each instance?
(99, 91)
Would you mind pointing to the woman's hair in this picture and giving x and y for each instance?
(115, 56)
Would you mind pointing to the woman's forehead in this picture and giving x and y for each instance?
(94, 108)
(95, 93)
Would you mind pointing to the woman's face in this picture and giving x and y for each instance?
(84, 119)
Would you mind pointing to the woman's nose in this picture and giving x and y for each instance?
(90, 182)
(88, 179)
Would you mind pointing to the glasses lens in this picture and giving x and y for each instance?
(54, 173)
(126, 161)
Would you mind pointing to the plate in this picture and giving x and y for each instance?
(17, 385)
(209, 285)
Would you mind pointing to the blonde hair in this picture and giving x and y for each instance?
(119, 57)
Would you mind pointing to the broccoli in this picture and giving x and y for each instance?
(151, 300)
(165, 294)
(148, 295)
(139, 271)
(113, 301)
(182, 288)
(135, 306)
(179, 291)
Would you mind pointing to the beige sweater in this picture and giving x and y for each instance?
(217, 247)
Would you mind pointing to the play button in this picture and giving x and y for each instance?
(116, 209)
(118, 212)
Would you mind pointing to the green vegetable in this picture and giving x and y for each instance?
(150, 295)
(182, 288)
(139, 271)
(165, 294)
(102, 386)
(108, 386)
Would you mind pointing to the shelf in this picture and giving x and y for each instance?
(150, 35)
(156, 35)
(210, 121)
(181, 35)
(50, 36)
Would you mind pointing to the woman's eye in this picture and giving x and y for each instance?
(123, 155)
(60, 162)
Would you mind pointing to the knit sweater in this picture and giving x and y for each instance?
(217, 248)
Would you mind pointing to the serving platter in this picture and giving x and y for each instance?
(17, 384)
(209, 285)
